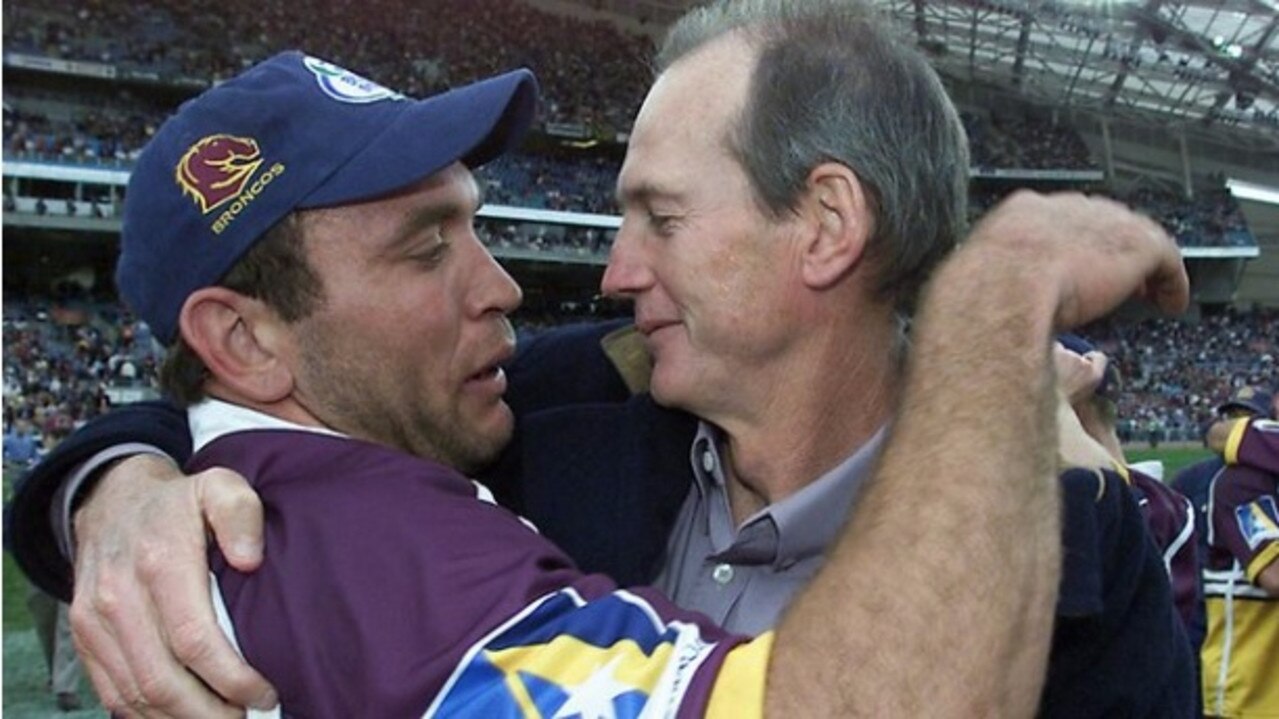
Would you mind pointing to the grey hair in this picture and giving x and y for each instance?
(832, 82)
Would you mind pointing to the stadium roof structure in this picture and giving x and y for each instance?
(1208, 67)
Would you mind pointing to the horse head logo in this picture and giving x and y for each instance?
(217, 168)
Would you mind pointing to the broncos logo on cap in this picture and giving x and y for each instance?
(216, 169)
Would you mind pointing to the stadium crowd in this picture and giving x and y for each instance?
(1025, 142)
(585, 183)
(61, 358)
(596, 78)
(591, 85)
(1177, 373)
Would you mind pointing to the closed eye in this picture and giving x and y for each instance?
(432, 256)
(663, 225)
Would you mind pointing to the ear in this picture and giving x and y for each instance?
(241, 341)
(840, 223)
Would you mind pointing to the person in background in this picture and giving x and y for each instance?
(1168, 514)
(1241, 580)
(1195, 481)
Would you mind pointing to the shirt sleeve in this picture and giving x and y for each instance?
(1254, 443)
(1245, 517)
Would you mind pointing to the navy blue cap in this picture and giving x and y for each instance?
(1109, 384)
(293, 132)
(1249, 399)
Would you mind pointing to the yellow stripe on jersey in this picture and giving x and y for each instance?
(569, 661)
(1122, 470)
(1241, 683)
(1234, 439)
(1260, 561)
(739, 688)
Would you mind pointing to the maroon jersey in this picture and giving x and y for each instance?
(391, 588)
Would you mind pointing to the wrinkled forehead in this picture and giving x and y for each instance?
(688, 113)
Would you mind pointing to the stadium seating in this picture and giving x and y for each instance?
(66, 358)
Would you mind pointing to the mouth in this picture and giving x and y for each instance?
(491, 376)
(648, 327)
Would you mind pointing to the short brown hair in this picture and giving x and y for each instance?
(275, 270)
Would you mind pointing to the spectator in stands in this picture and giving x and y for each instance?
(53, 629)
(841, 270)
(21, 447)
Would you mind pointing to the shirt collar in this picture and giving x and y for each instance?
(806, 522)
(214, 418)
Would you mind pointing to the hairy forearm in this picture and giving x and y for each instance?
(938, 599)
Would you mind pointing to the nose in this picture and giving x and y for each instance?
(627, 273)
(495, 290)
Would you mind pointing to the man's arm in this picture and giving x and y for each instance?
(938, 599)
(41, 498)
(1268, 579)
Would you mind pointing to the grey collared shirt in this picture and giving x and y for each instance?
(743, 577)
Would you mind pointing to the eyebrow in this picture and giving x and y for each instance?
(431, 215)
(644, 194)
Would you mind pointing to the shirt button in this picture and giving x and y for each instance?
(708, 461)
(722, 574)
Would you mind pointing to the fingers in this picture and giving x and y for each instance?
(1075, 447)
(130, 667)
(142, 612)
(1078, 376)
(1092, 253)
(185, 612)
(233, 512)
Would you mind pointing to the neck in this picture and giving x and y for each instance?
(286, 408)
(814, 411)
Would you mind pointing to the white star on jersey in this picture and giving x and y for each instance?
(593, 698)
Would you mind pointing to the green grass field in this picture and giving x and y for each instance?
(25, 694)
(1174, 457)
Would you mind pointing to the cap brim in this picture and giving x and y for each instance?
(472, 124)
(1246, 406)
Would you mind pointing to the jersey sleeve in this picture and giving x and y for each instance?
(394, 588)
(1245, 517)
(1254, 443)
(626, 653)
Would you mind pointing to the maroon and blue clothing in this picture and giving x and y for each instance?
(1195, 482)
(391, 588)
(1241, 650)
(1171, 520)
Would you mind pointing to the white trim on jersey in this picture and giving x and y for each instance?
(224, 623)
(1186, 531)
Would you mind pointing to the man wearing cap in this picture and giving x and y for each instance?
(1241, 578)
(862, 382)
